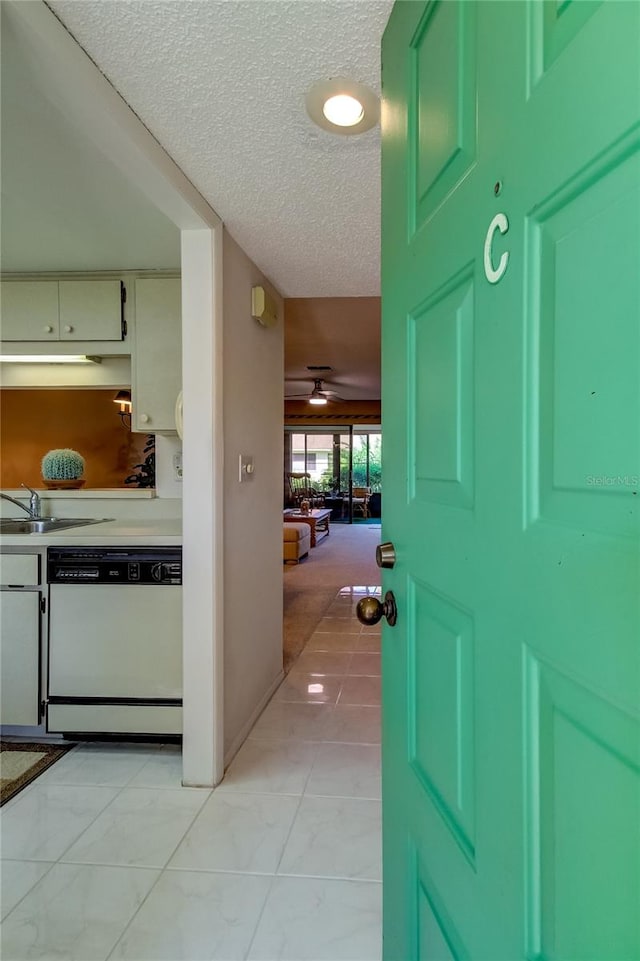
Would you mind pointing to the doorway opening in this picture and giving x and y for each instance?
(338, 468)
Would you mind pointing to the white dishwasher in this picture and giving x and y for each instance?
(115, 640)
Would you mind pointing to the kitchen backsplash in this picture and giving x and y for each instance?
(34, 421)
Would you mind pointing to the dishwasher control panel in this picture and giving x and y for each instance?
(114, 565)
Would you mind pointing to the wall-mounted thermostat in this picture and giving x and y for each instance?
(263, 307)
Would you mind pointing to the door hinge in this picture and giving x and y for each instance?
(43, 605)
(123, 300)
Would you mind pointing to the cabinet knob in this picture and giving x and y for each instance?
(48, 329)
(68, 328)
(144, 418)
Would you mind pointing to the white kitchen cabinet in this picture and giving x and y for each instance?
(20, 643)
(29, 310)
(157, 358)
(20, 657)
(65, 310)
(90, 309)
(18, 570)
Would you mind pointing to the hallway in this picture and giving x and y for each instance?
(107, 856)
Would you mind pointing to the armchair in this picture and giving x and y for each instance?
(360, 500)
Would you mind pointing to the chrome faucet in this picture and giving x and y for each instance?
(33, 510)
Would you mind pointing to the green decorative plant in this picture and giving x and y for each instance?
(62, 464)
(146, 475)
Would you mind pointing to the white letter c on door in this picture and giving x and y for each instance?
(500, 223)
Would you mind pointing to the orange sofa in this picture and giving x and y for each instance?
(296, 542)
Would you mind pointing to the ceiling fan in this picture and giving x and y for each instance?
(319, 395)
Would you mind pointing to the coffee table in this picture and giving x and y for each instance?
(318, 521)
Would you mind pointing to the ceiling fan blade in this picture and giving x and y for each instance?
(315, 390)
(331, 397)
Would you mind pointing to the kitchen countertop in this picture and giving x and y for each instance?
(136, 533)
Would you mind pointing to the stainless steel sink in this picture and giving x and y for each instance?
(43, 525)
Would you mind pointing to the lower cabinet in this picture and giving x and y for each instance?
(21, 578)
(20, 657)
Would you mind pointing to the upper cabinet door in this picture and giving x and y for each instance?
(157, 359)
(29, 310)
(90, 310)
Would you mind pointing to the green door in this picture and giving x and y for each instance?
(511, 412)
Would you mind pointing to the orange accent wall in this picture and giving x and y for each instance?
(33, 422)
(341, 332)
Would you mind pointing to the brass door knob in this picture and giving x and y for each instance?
(370, 610)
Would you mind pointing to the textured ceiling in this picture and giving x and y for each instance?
(221, 86)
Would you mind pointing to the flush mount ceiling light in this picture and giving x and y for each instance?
(343, 106)
(344, 110)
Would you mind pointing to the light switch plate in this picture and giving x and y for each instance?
(245, 467)
(177, 465)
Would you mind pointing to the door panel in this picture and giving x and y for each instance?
(555, 23)
(510, 682)
(434, 932)
(441, 442)
(441, 711)
(576, 241)
(443, 103)
(575, 738)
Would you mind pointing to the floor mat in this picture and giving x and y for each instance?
(22, 761)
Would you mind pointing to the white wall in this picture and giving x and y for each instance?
(253, 359)
(203, 507)
(168, 483)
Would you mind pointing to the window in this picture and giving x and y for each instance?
(337, 461)
(310, 454)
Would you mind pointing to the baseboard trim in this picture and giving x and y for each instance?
(245, 730)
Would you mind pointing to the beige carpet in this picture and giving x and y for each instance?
(22, 761)
(346, 556)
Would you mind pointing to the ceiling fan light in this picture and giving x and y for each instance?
(318, 400)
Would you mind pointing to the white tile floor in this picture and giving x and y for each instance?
(107, 856)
